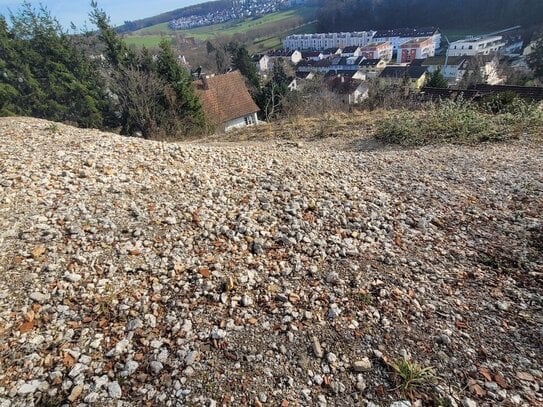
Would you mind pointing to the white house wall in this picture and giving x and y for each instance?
(239, 122)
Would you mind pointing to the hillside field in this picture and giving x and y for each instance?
(151, 36)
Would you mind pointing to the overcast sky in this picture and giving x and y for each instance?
(76, 11)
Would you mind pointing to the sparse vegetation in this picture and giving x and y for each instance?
(460, 122)
(53, 128)
(412, 378)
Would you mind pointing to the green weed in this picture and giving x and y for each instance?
(412, 378)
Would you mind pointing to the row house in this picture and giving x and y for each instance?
(332, 51)
(414, 76)
(348, 90)
(371, 68)
(310, 55)
(419, 48)
(453, 69)
(293, 56)
(346, 63)
(264, 63)
(351, 51)
(337, 64)
(347, 74)
(322, 41)
(321, 66)
(377, 50)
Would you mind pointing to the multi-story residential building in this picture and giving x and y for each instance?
(484, 45)
(377, 50)
(418, 48)
(327, 40)
(400, 36)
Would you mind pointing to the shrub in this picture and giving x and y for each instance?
(459, 122)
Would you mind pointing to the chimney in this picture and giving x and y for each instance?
(205, 81)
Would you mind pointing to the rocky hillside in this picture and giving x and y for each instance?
(267, 274)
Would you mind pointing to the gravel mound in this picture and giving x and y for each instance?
(277, 274)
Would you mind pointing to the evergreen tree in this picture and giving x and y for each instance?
(166, 104)
(535, 59)
(242, 61)
(45, 75)
(9, 93)
(117, 52)
(437, 80)
(146, 61)
(189, 106)
(271, 97)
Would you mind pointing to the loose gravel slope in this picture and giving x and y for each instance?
(144, 273)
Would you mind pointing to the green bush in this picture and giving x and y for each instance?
(460, 122)
(43, 73)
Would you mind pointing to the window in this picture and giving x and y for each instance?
(471, 47)
(249, 120)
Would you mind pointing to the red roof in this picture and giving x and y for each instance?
(225, 97)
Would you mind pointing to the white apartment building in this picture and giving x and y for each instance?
(327, 40)
(476, 46)
(400, 36)
(419, 48)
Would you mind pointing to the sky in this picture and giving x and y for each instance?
(76, 11)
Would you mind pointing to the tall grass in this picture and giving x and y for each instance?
(463, 123)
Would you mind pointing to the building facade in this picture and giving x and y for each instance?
(418, 48)
(327, 40)
(397, 37)
(377, 50)
(476, 46)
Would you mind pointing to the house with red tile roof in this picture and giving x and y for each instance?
(226, 101)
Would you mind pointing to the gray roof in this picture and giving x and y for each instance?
(412, 72)
(407, 32)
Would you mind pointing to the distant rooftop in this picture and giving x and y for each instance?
(407, 32)
(350, 49)
(370, 62)
(415, 42)
(413, 72)
(480, 38)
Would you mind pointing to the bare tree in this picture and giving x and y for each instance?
(142, 93)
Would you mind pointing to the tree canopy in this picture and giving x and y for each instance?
(351, 15)
(44, 74)
(535, 59)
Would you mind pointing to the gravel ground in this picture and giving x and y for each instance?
(267, 274)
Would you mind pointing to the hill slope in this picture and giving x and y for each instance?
(163, 273)
(269, 27)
